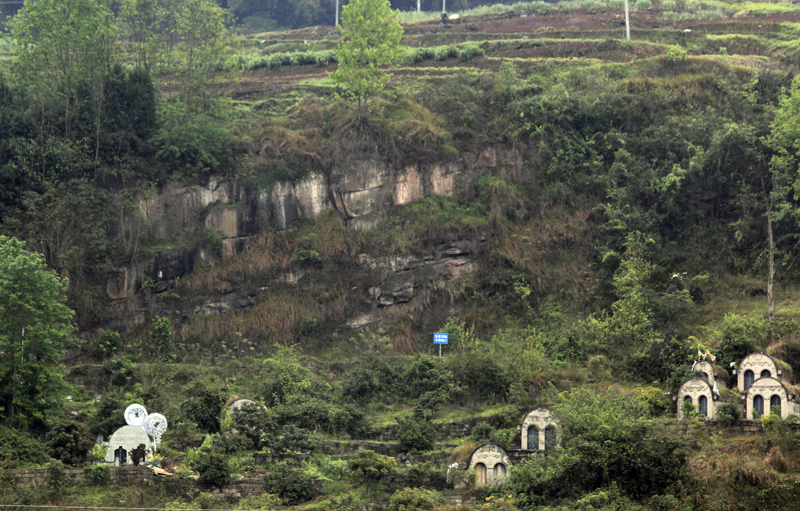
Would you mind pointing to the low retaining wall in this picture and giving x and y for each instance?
(137, 475)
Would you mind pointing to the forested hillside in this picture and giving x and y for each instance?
(190, 217)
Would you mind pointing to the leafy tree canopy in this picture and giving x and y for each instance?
(370, 38)
(35, 328)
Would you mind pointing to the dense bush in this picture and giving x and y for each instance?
(449, 51)
(415, 499)
(739, 336)
(292, 439)
(203, 408)
(212, 470)
(368, 466)
(415, 432)
(290, 483)
(68, 442)
(99, 475)
(107, 343)
(254, 422)
(18, 448)
(727, 414)
(469, 52)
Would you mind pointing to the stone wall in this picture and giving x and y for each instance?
(37, 477)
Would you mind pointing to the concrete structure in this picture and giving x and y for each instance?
(491, 464)
(710, 373)
(129, 438)
(699, 393)
(766, 393)
(753, 367)
(540, 431)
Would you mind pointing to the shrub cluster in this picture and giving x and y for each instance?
(296, 58)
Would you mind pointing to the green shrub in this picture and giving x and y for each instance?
(727, 414)
(307, 257)
(99, 475)
(471, 51)
(642, 4)
(254, 422)
(308, 326)
(230, 444)
(738, 337)
(208, 501)
(421, 54)
(676, 53)
(265, 502)
(669, 5)
(369, 466)
(415, 499)
(290, 483)
(68, 442)
(481, 433)
(292, 439)
(446, 52)
(18, 448)
(203, 409)
(425, 475)
(416, 433)
(162, 336)
(108, 343)
(56, 476)
(212, 470)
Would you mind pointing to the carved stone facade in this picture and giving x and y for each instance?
(753, 367)
(540, 431)
(709, 373)
(699, 393)
(767, 393)
(491, 464)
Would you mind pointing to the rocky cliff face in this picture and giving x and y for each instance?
(361, 192)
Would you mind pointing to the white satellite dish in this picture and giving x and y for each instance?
(135, 415)
(155, 426)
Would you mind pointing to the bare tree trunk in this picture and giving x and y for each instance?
(771, 276)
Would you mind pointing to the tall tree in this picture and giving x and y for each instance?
(784, 198)
(371, 35)
(61, 44)
(35, 329)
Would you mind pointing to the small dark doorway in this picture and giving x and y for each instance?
(702, 406)
(758, 407)
(749, 378)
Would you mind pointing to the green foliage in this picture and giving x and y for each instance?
(307, 257)
(35, 329)
(254, 422)
(369, 467)
(481, 433)
(446, 52)
(739, 336)
(415, 499)
(292, 439)
(290, 483)
(727, 414)
(607, 439)
(56, 477)
(108, 343)
(19, 448)
(68, 442)
(203, 408)
(99, 475)
(162, 337)
(370, 39)
(676, 54)
(195, 143)
(212, 470)
(308, 326)
(416, 432)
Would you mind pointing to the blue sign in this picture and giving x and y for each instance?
(440, 338)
